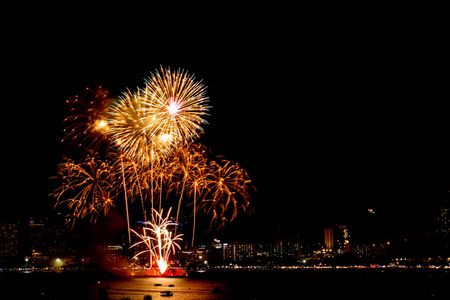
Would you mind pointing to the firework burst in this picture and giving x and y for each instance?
(86, 187)
(87, 123)
(148, 124)
(177, 103)
(228, 190)
(128, 120)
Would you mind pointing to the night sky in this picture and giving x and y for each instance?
(330, 116)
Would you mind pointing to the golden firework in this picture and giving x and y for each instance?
(128, 120)
(228, 190)
(87, 123)
(148, 124)
(177, 104)
(86, 187)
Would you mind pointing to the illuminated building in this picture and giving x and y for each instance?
(344, 240)
(293, 248)
(329, 239)
(239, 252)
(277, 248)
(369, 249)
(110, 255)
(38, 238)
(194, 258)
(217, 245)
(48, 237)
(443, 219)
(9, 239)
(263, 250)
(285, 248)
(216, 255)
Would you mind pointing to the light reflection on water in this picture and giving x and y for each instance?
(244, 285)
(183, 289)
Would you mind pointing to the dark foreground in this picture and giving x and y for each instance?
(339, 284)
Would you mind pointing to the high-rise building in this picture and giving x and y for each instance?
(38, 240)
(343, 239)
(48, 236)
(444, 219)
(293, 247)
(285, 248)
(9, 244)
(238, 252)
(329, 242)
(9, 239)
(277, 248)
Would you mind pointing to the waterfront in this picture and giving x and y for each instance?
(235, 284)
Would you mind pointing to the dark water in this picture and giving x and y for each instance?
(337, 284)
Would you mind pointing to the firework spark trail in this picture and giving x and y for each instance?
(158, 239)
(189, 164)
(186, 163)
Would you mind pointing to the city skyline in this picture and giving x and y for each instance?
(41, 243)
(329, 237)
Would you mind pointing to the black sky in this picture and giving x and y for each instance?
(331, 114)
